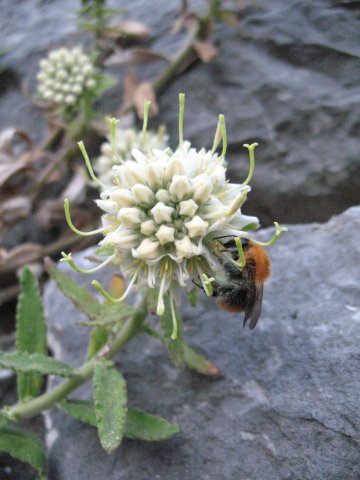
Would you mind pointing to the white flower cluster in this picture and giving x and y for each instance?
(164, 214)
(65, 75)
(125, 140)
(162, 220)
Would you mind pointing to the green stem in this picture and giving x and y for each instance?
(49, 399)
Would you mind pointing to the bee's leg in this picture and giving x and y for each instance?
(197, 284)
(215, 287)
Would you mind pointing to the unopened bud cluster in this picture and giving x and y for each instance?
(125, 140)
(65, 75)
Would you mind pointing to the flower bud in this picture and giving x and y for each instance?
(122, 197)
(70, 99)
(162, 213)
(143, 194)
(148, 227)
(154, 174)
(133, 173)
(121, 238)
(185, 248)
(90, 83)
(148, 250)
(174, 167)
(180, 187)
(163, 195)
(109, 206)
(188, 208)
(165, 234)
(196, 227)
(139, 156)
(201, 190)
(130, 216)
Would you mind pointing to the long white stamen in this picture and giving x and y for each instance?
(146, 117)
(111, 299)
(251, 149)
(113, 123)
(223, 135)
(242, 260)
(278, 232)
(200, 273)
(88, 165)
(68, 258)
(160, 309)
(181, 117)
(208, 282)
(217, 138)
(72, 226)
(174, 333)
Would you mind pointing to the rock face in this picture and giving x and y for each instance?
(287, 406)
(287, 77)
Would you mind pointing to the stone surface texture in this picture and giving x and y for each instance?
(287, 406)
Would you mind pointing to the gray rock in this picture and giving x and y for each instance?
(287, 78)
(287, 406)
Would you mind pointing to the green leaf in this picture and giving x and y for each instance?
(24, 446)
(80, 296)
(192, 359)
(192, 296)
(199, 363)
(110, 405)
(144, 426)
(82, 410)
(35, 362)
(30, 331)
(174, 347)
(109, 315)
(138, 424)
(98, 339)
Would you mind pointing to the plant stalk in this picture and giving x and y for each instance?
(47, 400)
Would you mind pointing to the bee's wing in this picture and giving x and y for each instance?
(253, 306)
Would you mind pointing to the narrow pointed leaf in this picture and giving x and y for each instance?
(144, 426)
(138, 424)
(110, 405)
(199, 363)
(192, 296)
(30, 331)
(174, 347)
(35, 362)
(84, 300)
(24, 446)
(192, 359)
(82, 410)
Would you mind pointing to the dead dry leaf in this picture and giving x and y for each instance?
(14, 209)
(135, 56)
(206, 50)
(8, 139)
(145, 91)
(20, 255)
(127, 29)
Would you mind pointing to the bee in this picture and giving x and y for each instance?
(244, 290)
